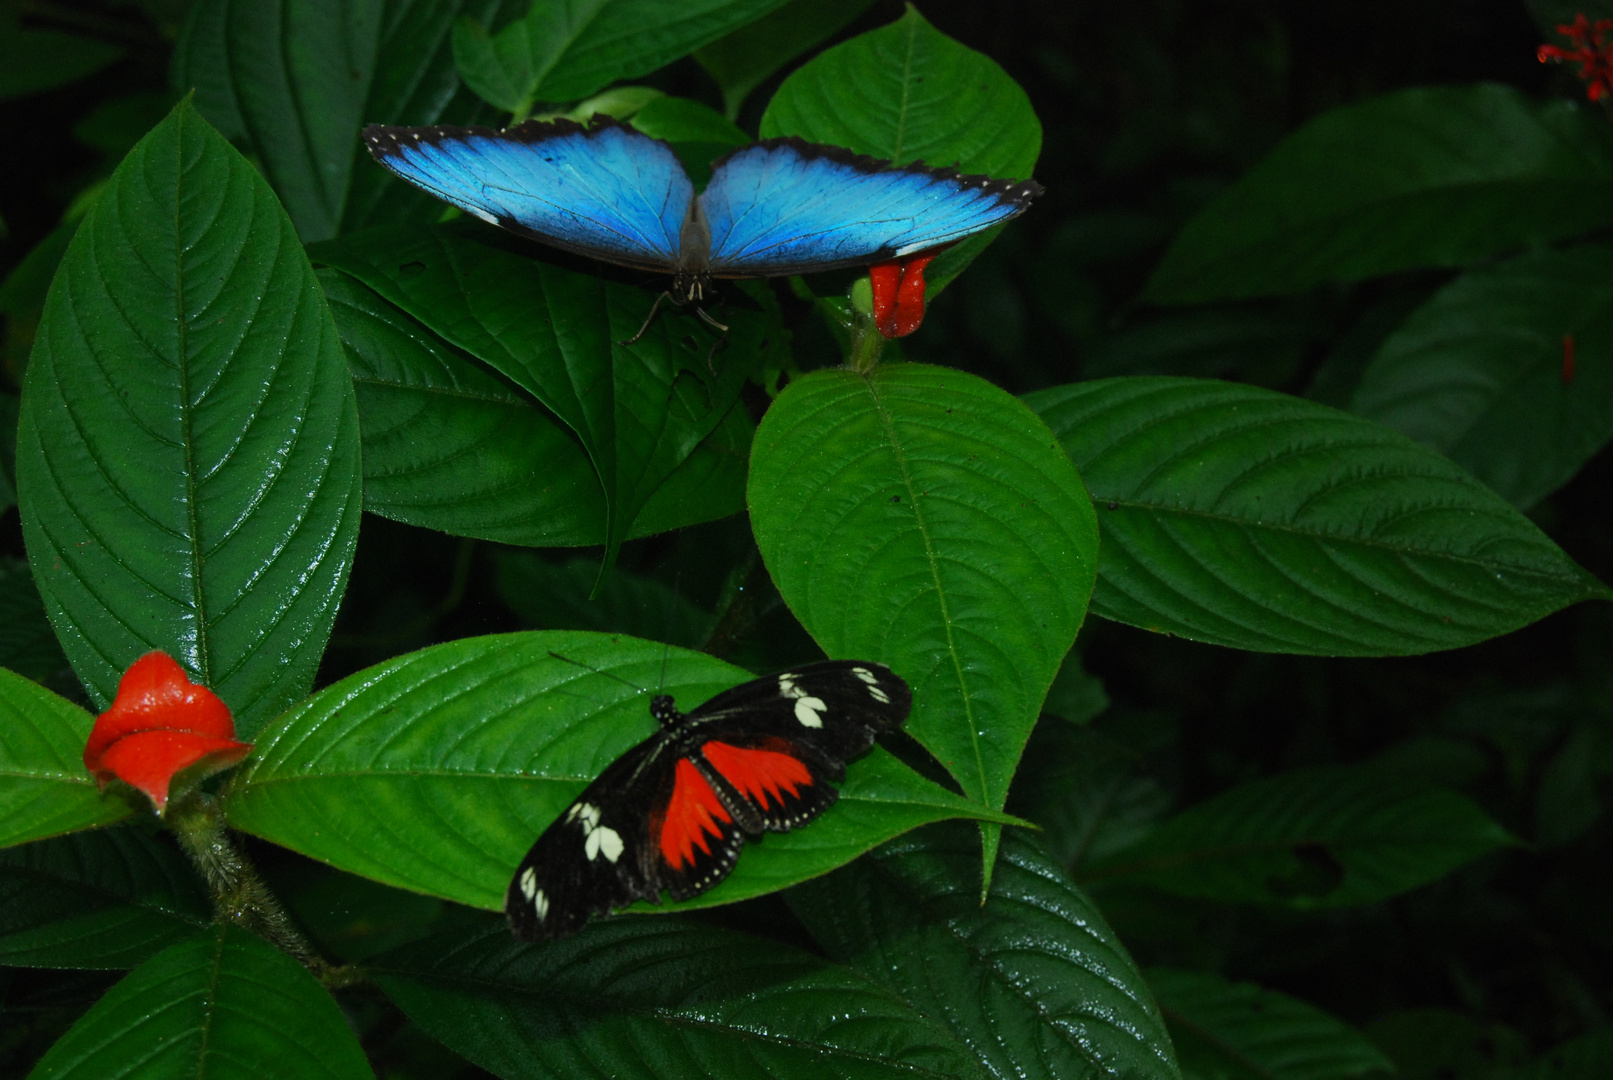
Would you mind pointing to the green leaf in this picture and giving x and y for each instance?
(450, 446)
(1034, 982)
(640, 999)
(187, 458)
(698, 134)
(923, 518)
(1442, 1044)
(1310, 838)
(1432, 176)
(562, 51)
(111, 898)
(211, 1007)
(437, 770)
(28, 645)
(639, 411)
(1479, 372)
(289, 77)
(906, 92)
(1248, 518)
(32, 61)
(1240, 1031)
(745, 58)
(44, 787)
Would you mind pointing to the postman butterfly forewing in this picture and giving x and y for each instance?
(673, 812)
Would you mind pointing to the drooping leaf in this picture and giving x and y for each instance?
(906, 92)
(206, 1008)
(437, 770)
(562, 51)
(921, 517)
(1034, 982)
(1358, 191)
(1248, 518)
(639, 411)
(639, 999)
(109, 898)
(1240, 1031)
(44, 787)
(745, 58)
(1485, 372)
(1310, 838)
(187, 455)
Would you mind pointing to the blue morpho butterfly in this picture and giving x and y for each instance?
(778, 207)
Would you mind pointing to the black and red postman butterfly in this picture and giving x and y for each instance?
(673, 812)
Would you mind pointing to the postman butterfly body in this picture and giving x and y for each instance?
(778, 207)
(674, 811)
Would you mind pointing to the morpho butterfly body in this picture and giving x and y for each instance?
(673, 812)
(778, 207)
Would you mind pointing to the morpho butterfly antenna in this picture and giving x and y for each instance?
(672, 813)
(775, 208)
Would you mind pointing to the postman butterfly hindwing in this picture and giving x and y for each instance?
(673, 812)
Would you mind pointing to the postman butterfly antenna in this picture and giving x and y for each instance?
(601, 671)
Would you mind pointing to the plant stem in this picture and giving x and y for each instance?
(239, 895)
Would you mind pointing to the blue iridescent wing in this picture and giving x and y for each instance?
(606, 191)
(785, 206)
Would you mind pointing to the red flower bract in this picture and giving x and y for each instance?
(899, 294)
(1592, 50)
(161, 724)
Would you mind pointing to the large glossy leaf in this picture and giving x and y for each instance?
(745, 58)
(110, 898)
(1433, 176)
(1486, 371)
(436, 771)
(1311, 838)
(187, 459)
(906, 92)
(638, 411)
(1034, 981)
(225, 1004)
(642, 999)
(289, 77)
(922, 517)
(44, 787)
(1239, 1031)
(564, 50)
(1252, 519)
(449, 445)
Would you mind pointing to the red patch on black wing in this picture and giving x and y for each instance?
(695, 834)
(783, 784)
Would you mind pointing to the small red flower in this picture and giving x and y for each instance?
(161, 724)
(1591, 49)
(899, 294)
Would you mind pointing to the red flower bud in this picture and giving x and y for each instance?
(161, 724)
(899, 293)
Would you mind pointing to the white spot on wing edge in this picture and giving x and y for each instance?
(540, 905)
(529, 883)
(483, 214)
(879, 695)
(810, 710)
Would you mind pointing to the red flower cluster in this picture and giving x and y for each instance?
(161, 724)
(899, 294)
(1591, 49)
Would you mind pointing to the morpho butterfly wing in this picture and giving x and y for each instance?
(673, 812)
(605, 191)
(784, 206)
